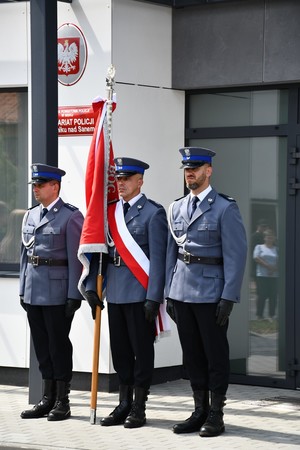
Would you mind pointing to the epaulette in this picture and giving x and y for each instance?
(33, 207)
(158, 205)
(71, 207)
(227, 197)
(176, 199)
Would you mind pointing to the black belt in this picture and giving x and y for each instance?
(38, 261)
(191, 259)
(116, 261)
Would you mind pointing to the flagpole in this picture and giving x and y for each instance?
(97, 329)
(97, 324)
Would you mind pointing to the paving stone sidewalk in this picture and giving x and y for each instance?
(255, 417)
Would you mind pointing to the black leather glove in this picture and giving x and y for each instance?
(151, 310)
(171, 310)
(93, 300)
(223, 311)
(71, 307)
(24, 306)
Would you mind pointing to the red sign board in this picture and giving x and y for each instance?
(76, 121)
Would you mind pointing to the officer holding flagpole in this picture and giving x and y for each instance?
(135, 289)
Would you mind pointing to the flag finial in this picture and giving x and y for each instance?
(110, 81)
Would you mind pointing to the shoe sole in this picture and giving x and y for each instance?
(194, 430)
(112, 424)
(33, 417)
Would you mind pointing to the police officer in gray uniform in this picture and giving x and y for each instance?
(132, 308)
(206, 258)
(49, 274)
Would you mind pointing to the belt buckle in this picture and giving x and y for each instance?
(35, 260)
(117, 261)
(186, 257)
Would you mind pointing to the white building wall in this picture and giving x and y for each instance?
(14, 44)
(148, 124)
(14, 50)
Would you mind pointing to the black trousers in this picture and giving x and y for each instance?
(266, 288)
(50, 334)
(204, 345)
(132, 344)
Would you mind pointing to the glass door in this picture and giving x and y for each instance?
(248, 170)
(249, 132)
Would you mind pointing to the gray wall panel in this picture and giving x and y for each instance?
(237, 43)
(218, 45)
(282, 41)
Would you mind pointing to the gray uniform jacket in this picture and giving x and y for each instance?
(56, 236)
(215, 230)
(147, 223)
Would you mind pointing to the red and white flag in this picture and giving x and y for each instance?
(100, 189)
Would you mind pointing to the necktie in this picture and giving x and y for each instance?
(195, 200)
(44, 212)
(126, 207)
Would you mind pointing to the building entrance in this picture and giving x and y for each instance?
(254, 134)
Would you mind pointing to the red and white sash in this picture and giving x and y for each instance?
(129, 250)
(134, 257)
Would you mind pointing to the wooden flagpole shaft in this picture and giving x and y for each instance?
(95, 368)
(97, 325)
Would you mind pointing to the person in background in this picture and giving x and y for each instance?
(206, 258)
(4, 214)
(49, 275)
(266, 257)
(10, 246)
(132, 304)
(257, 237)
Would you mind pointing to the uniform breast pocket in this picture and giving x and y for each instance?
(178, 228)
(28, 231)
(208, 232)
(139, 233)
(54, 237)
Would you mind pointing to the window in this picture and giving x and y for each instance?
(13, 174)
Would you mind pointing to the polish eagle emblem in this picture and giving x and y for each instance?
(68, 56)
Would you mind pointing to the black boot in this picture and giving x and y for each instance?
(61, 409)
(214, 424)
(119, 414)
(45, 405)
(197, 419)
(137, 416)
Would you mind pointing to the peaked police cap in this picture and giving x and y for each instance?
(126, 167)
(42, 173)
(196, 156)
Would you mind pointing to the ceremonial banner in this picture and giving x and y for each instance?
(100, 188)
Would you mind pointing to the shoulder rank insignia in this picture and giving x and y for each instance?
(227, 197)
(71, 207)
(176, 199)
(32, 207)
(158, 205)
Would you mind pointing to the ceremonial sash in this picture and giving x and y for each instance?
(129, 250)
(134, 257)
